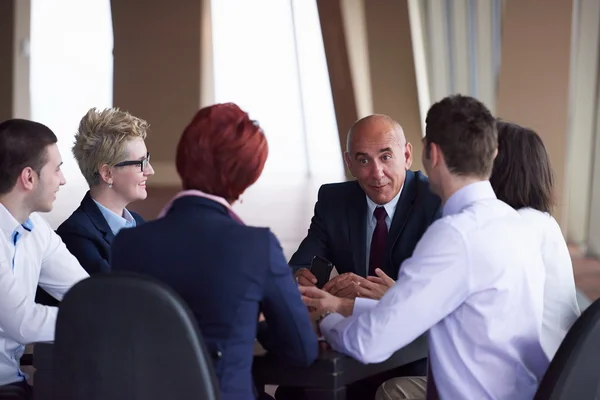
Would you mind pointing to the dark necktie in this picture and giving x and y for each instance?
(378, 241)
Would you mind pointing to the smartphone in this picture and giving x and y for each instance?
(321, 269)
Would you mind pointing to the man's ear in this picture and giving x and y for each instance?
(408, 155)
(348, 160)
(28, 178)
(435, 154)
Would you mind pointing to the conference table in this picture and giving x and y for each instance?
(326, 379)
(330, 375)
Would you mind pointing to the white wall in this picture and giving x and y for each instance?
(269, 59)
(71, 71)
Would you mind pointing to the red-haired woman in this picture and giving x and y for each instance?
(227, 272)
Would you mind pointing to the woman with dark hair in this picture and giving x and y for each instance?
(522, 177)
(226, 272)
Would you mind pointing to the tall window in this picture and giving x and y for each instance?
(269, 59)
(71, 71)
(463, 47)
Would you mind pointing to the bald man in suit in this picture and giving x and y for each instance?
(370, 225)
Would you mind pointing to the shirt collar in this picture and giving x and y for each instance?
(390, 207)
(199, 193)
(9, 225)
(115, 221)
(466, 195)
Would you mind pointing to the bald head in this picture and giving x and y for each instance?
(378, 156)
(373, 126)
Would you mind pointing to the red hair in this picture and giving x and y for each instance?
(221, 152)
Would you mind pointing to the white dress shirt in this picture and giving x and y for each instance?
(476, 282)
(560, 296)
(390, 209)
(29, 254)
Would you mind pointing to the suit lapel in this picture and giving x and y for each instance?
(403, 210)
(109, 237)
(357, 225)
(93, 212)
(138, 218)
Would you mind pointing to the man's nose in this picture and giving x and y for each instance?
(377, 171)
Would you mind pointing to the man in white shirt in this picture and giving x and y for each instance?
(30, 252)
(475, 280)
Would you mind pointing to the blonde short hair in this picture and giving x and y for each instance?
(101, 139)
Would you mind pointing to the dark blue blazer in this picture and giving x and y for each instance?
(226, 272)
(88, 236)
(339, 226)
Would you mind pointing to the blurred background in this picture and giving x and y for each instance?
(306, 70)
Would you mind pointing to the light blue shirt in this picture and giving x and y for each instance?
(114, 220)
(476, 282)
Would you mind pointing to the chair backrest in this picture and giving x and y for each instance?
(574, 372)
(124, 336)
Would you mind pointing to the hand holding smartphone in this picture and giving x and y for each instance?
(321, 269)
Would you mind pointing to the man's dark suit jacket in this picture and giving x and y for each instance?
(339, 226)
(88, 236)
(224, 271)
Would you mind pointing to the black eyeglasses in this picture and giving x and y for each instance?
(143, 163)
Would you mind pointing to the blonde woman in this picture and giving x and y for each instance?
(111, 153)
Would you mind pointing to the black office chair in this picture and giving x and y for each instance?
(574, 373)
(123, 336)
(13, 392)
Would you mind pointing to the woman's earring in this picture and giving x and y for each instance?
(110, 185)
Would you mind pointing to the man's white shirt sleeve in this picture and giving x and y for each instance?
(436, 273)
(20, 317)
(60, 269)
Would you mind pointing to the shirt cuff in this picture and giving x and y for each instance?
(361, 305)
(329, 322)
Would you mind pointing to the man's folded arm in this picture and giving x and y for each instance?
(431, 284)
(21, 318)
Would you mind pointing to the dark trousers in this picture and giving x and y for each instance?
(16, 391)
(365, 389)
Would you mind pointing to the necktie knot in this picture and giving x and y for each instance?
(380, 214)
